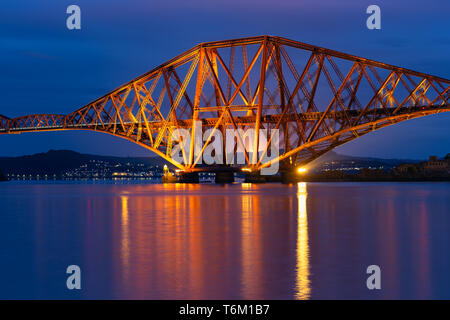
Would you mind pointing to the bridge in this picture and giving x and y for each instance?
(316, 98)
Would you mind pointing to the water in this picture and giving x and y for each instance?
(243, 241)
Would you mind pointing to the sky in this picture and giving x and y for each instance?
(46, 68)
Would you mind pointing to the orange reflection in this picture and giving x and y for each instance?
(125, 238)
(303, 287)
(251, 246)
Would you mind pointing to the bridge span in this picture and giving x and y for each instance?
(316, 98)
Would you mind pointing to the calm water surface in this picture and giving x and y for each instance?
(242, 241)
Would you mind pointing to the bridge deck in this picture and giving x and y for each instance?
(15, 126)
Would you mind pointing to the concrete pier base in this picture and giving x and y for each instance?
(224, 177)
(188, 177)
(290, 176)
(254, 177)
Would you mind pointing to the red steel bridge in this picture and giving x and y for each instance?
(317, 98)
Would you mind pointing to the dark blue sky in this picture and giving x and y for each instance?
(46, 68)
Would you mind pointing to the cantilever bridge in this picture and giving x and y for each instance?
(317, 98)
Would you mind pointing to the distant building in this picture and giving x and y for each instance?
(407, 169)
(433, 167)
(434, 164)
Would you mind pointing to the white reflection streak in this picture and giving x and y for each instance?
(125, 238)
(303, 288)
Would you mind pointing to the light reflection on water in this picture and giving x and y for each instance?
(243, 241)
(303, 286)
(125, 240)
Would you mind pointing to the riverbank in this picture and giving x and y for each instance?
(372, 175)
(261, 180)
(360, 179)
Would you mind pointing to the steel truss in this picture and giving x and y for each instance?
(317, 98)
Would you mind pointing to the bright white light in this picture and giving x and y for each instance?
(301, 170)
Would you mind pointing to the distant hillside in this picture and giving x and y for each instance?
(58, 161)
(333, 160)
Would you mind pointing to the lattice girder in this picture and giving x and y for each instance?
(317, 98)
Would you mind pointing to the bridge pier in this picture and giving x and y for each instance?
(290, 176)
(188, 177)
(254, 177)
(224, 177)
(168, 176)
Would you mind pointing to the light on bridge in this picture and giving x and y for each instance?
(301, 170)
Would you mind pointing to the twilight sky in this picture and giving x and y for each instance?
(46, 68)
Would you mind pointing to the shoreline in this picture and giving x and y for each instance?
(271, 181)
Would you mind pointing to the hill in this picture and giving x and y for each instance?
(57, 162)
(335, 161)
(70, 163)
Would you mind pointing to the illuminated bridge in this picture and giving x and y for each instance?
(317, 98)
